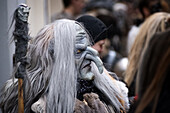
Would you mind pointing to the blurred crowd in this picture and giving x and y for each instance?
(131, 28)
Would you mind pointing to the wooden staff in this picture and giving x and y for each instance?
(20, 96)
(21, 39)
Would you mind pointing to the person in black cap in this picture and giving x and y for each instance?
(96, 29)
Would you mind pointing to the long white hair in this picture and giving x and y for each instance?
(51, 71)
(114, 92)
(62, 86)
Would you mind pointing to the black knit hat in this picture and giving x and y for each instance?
(95, 27)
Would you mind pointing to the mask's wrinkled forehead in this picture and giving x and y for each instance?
(81, 37)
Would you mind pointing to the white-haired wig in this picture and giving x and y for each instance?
(51, 72)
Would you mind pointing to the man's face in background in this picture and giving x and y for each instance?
(99, 46)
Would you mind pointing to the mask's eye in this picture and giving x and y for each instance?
(22, 9)
(79, 51)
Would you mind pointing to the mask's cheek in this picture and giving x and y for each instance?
(83, 66)
(85, 70)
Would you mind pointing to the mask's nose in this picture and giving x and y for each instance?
(93, 56)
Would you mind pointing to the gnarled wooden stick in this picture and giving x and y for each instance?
(21, 39)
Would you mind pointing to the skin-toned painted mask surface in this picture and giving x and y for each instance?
(84, 54)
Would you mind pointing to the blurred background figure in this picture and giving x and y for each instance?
(152, 84)
(93, 6)
(72, 8)
(122, 11)
(158, 22)
(145, 8)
